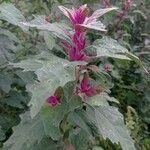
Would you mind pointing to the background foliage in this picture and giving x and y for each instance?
(132, 86)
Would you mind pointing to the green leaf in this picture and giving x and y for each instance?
(7, 121)
(51, 119)
(52, 72)
(97, 148)
(10, 35)
(101, 99)
(2, 134)
(110, 124)
(77, 119)
(10, 13)
(15, 99)
(57, 29)
(47, 144)
(28, 132)
(79, 139)
(108, 47)
(104, 80)
(49, 40)
(52, 116)
(5, 82)
(137, 61)
(7, 49)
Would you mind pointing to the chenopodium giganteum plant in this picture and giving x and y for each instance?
(70, 105)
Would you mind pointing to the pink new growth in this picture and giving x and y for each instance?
(86, 87)
(126, 10)
(81, 20)
(53, 101)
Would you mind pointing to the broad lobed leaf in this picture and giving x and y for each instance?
(28, 132)
(52, 72)
(110, 124)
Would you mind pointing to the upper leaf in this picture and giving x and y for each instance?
(56, 29)
(108, 47)
(10, 13)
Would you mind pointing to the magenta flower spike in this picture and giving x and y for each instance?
(81, 20)
(76, 51)
(53, 101)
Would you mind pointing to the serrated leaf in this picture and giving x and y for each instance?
(27, 133)
(110, 124)
(56, 29)
(10, 13)
(108, 47)
(54, 72)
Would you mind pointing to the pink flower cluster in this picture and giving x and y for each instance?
(86, 89)
(53, 101)
(81, 20)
